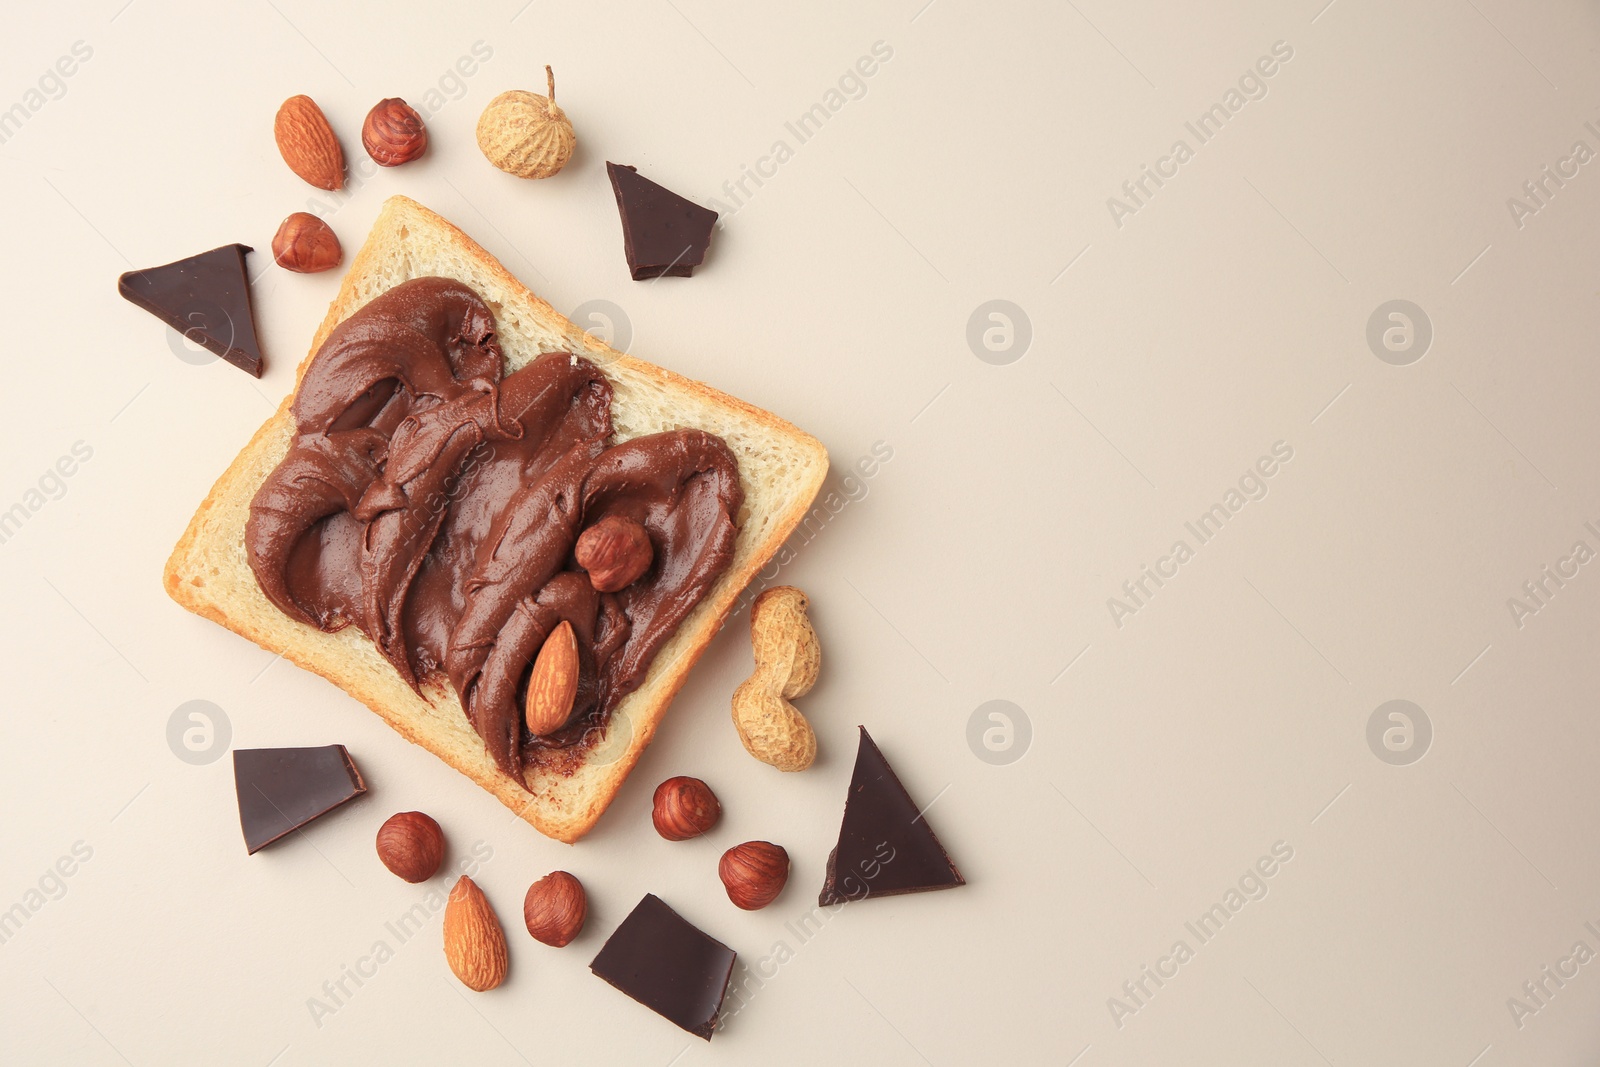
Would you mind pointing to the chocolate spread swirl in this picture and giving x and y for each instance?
(434, 502)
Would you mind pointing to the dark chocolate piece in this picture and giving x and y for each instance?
(662, 233)
(669, 965)
(282, 789)
(206, 298)
(885, 847)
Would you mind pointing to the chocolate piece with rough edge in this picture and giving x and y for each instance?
(662, 233)
(282, 789)
(886, 846)
(207, 299)
(669, 965)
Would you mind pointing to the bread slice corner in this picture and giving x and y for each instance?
(781, 469)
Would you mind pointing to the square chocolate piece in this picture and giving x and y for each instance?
(667, 964)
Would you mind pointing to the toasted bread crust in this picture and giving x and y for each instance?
(782, 469)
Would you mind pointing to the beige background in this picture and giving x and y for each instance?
(1167, 755)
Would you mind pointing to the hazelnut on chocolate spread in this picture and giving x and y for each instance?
(435, 502)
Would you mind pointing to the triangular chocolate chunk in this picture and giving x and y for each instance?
(885, 845)
(667, 964)
(282, 789)
(206, 298)
(662, 233)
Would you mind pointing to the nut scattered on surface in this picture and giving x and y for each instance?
(615, 551)
(306, 244)
(555, 908)
(307, 144)
(526, 134)
(684, 807)
(474, 944)
(754, 873)
(393, 133)
(788, 659)
(411, 845)
(553, 685)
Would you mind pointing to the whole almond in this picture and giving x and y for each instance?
(553, 685)
(474, 944)
(307, 143)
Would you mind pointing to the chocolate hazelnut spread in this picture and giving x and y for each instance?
(434, 501)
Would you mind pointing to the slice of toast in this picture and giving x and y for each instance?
(781, 468)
